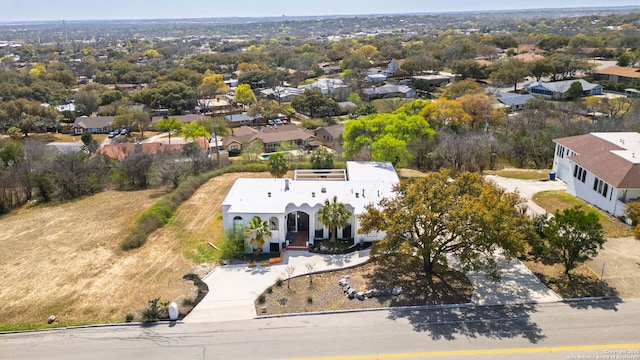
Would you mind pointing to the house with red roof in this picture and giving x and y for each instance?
(603, 169)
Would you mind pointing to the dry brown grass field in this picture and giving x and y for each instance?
(65, 259)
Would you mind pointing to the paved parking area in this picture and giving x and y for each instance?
(528, 188)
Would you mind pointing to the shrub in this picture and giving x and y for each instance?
(279, 282)
(309, 300)
(632, 210)
(187, 302)
(636, 231)
(152, 313)
(233, 244)
(128, 318)
(261, 299)
(269, 290)
(162, 211)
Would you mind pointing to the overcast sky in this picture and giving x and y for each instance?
(26, 10)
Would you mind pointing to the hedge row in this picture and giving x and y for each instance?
(163, 210)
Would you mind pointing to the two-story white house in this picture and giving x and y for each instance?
(601, 168)
(291, 206)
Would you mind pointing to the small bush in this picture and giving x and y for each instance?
(279, 282)
(261, 299)
(152, 313)
(269, 290)
(187, 302)
(309, 300)
(129, 318)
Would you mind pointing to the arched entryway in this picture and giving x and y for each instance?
(298, 228)
(297, 221)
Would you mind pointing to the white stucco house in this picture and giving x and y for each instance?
(291, 205)
(601, 168)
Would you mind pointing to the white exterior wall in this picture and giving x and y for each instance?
(279, 236)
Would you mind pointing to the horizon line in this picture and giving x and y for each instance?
(284, 16)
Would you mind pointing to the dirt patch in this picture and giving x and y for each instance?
(619, 265)
(324, 293)
(65, 260)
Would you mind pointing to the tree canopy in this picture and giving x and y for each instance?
(387, 137)
(575, 235)
(278, 166)
(439, 215)
(334, 214)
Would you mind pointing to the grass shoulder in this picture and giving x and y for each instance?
(522, 174)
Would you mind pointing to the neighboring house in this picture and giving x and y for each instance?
(121, 151)
(92, 124)
(184, 119)
(514, 102)
(291, 206)
(66, 147)
(603, 169)
(281, 93)
(66, 107)
(619, 74)
(331, 87)
(330, 68)
(375, 78)
(331, 136)
(347, 107)
(388, 91)
(528, 57)
(393, 67)
(557, 90)
(271, 137)
(242, 119)
(433, 80)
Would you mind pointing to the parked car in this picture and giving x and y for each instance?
(112, 134)
(123, 131)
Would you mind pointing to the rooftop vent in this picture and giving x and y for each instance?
(286, 184)
(313, 194)
(269, 194)
(323, 190)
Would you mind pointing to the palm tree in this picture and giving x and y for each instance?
(258, 228)
(334, 214)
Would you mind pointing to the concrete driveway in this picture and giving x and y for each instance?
(233, 289)
(528, 188)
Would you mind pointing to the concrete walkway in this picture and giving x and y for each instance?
(517, 284)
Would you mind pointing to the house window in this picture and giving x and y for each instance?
(238, 224)
(273, 223)
(580, 173)
(600, 187)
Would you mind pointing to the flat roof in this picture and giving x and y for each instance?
(629, 141)
(368, 183)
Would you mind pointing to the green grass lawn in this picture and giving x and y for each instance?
(553, 201)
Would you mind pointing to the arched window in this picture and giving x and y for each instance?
(273, 223)
(238, 224)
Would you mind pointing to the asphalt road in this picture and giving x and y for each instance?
(607, 329)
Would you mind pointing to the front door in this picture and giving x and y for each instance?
(298, 221)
